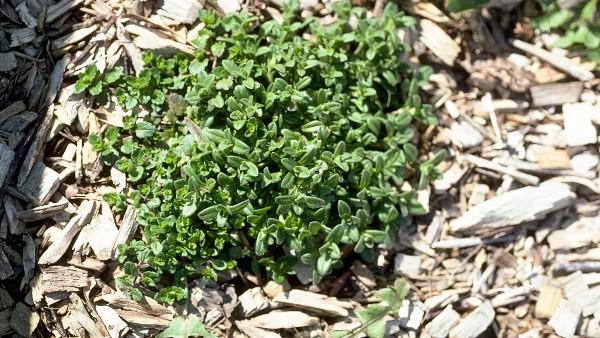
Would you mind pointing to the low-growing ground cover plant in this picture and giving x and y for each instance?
(275, 145)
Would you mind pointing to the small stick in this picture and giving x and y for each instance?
(560, 62)
(378, 8)
(488, 106)
(519, 176)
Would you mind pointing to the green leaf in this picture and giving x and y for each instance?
(80, 86)
(188, 210)
(589, 10)
(96, 88)
(285, 199)
(343, 209)
(377, 329)
(372, 313)
(314, 202)
(144, 129)
(113, 75)
(209, 213)
(231, 67)
(340, 334)
(323, 265)
(554, 20)
(335, 235)
(378, 236)
(186, 327)
(462, 5)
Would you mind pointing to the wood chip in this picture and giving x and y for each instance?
(579, 129)
(465, 135)
(438, 41)
(58, 9)
(41, 184)
(103, 232)
(456, 243)
(143, 319)
(556, 93)
(449, 178)
(507, 209)
(25, 16)
(232, 6)
(11, 110)
(511, 296)
(5, 321)
(150, 308)
(276, 320)
(35, 149)
(440, 326)
(313, 302)
(579, 234)
(79, 314)
(23, 320)
(162, 46)
(363, 274)
(55, 81)
(548, 157)
(71, 104)
(475, 322)
(22, 36)
(565, 318)
(184, 11)
(73, 37)
(118, 178)
(6, 157)
(63, 278)
(434, 229)
(29, 256)
(252, 301)
(57, 249)
(88, 263)
(406, 265)
(6, 300)
(6, 269)
(113, 323)
(18, 122)
(11, 207)
(8, 62)
(411, 315)
(127, 229)
(246, 327)
(426, 10)
(42, 212)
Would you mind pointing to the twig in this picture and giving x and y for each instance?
(378, 8)
(488, 106)
(560, 62)
(519, 176)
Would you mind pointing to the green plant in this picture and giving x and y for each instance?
(579, 25)
(190, 326)
(463, 5)
(268, 148)
(94, 82)
(372, 318)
